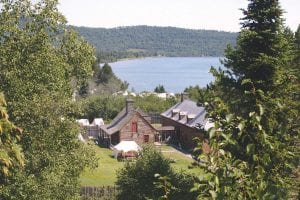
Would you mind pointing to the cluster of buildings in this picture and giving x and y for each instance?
(180, 125)
(164, 95)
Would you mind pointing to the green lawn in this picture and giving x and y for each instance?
(105, 173)
(181, 161)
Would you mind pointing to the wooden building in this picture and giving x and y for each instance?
(130, 124)
(186, 116)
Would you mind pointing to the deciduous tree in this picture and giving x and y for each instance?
(11, 157)
(139, 180)
(40, 64)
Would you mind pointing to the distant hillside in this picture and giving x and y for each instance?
(153, 41)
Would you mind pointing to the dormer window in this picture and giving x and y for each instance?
(182, 115)
(190, 117)
(174, 112)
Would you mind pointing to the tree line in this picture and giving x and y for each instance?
(138, 41)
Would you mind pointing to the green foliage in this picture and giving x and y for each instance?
(105, 73)
(103, 82)
(154, 104)
(11, 156)
(164, 183)
(106, 107)
(137, 180)
(79, 55)
(254, 111)
(41, 61)
(142, 41)
(197, 94)
(159, 89)
(297, 56)
(113, 56)
(262, 46)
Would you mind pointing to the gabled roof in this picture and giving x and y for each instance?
(187, 108)
(122, 119)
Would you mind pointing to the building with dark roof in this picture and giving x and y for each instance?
(130, 124)
(186, 117)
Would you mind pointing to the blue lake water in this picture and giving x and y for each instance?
(174, 73)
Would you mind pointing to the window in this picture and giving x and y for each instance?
(134, 127)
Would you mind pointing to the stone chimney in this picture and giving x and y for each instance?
(129, 105)
(184, 96)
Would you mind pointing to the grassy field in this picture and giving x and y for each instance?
(105, 173)
(181, 161)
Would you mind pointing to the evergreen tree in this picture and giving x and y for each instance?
(105, 74)
(254, 112)
(159, 89)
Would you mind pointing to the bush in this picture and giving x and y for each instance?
(137, 180)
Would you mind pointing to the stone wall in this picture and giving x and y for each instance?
(143, 129)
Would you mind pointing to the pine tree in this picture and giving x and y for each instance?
(254, 112)
(261, 47)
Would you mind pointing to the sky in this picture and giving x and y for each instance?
(195, 14)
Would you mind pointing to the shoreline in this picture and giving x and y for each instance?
(140, 58)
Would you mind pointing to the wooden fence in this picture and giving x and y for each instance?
(101, 193)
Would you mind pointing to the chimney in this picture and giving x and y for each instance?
(184, 96)
(129, 105)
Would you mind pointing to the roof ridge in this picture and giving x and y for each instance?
(114, 123)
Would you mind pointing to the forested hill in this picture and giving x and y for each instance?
(153, 41)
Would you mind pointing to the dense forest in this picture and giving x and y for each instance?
(137, 41)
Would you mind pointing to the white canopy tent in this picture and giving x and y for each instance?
(126, 146)
(98, 122)
(83, 122)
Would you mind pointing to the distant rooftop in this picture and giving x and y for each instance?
(188, 113)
